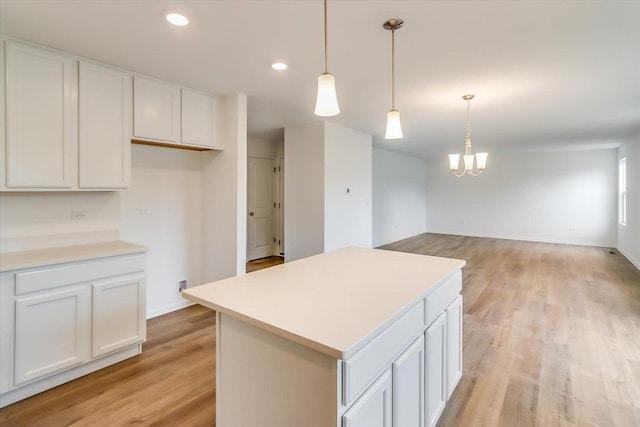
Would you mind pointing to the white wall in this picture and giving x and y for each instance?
(566, 197)
(42, 220)
(399, 197)
(224, 194)
(161, 210)
(629, 234)
(347, 167)
(323, 160)
(304, 191)
(264, 148)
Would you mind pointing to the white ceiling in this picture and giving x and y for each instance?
(546, 74)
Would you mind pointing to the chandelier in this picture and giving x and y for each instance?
(480, 158)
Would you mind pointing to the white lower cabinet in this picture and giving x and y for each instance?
(435, 398)
(62, 321)
(52, 332)
(408, 386)
(373, 409)
(454, 344)
(118, 320)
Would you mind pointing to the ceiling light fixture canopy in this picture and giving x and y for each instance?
(394, 129)
(469, 157)
(327, 100)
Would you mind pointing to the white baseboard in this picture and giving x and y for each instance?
(168, 309)
(530, 239)
(630, 258)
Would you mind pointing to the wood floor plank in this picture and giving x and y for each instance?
(551, 338)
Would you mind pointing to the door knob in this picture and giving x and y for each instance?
(251, 213)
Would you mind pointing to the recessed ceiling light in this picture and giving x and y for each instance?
(280, 66)
(177, 19)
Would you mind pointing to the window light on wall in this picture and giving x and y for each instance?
(622, 191)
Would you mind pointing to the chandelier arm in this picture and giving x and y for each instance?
(464, 172)
(475, 174)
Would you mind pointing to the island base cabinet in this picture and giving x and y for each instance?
(408, 386)
(454, 344)
(309, 374)
(268, 381)
(435, 398)
(373, 409)
(52, 331)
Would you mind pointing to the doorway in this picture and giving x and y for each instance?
(265, 201)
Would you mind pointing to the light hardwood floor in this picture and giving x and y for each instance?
(551, 333)
(551, 338)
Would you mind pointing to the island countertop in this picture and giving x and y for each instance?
(334, 303)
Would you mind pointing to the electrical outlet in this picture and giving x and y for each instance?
(79, 215)
(182, 285)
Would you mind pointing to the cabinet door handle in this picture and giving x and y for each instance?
(251, 213)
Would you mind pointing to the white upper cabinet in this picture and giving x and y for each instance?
(198, 119)
(105, 118)
(156, 110)
(40, 111)
(165, 114)
(68, 122)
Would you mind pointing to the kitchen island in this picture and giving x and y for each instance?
(354, 337)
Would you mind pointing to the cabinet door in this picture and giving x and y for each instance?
(105, 120)
(156, 110)
(198, 119)
(118, 313)
(435, 398)
(373, 409)
(408, 386)
(52, 332)
(454, 344)
(40, 109)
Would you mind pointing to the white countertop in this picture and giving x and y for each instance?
(43, 257)
(335, 302)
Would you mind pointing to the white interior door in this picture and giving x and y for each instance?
(260, 235)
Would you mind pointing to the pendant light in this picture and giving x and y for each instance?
(327, 100)
(469, 157)
(394, 130)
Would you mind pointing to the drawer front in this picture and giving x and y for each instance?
(82, 272)
(442, 296)
(364, 367)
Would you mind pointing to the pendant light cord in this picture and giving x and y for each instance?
(393, 69)
(325, 36)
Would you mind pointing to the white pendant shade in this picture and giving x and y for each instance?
(468, 161)
(394, 129)
(454, 161)
(327, 100)
(481, 160)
